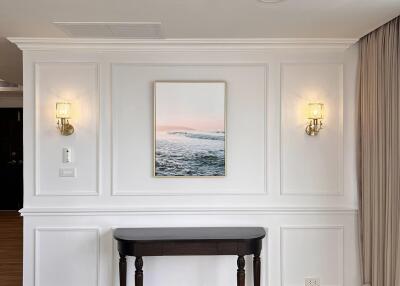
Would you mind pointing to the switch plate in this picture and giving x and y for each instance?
(68, 172)
(66, 155)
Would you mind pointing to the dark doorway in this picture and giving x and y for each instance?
(11, 189)
(11, 178)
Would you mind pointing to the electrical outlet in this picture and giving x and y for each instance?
(311, 282)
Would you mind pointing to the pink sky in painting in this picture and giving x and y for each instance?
(190, 106)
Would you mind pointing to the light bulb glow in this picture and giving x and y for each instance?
(63, 110)
(315, 111)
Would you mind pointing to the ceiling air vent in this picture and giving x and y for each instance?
(129, 30)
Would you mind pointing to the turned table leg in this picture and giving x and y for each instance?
(139, 271)
(240, 271)
(256, 270)
(122, 270)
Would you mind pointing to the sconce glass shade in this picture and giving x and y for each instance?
(63, 113)
(63, 110)
(315, 110)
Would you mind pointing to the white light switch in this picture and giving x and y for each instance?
(66, 155)
(68, 172)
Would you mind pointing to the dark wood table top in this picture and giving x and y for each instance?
(189, 234)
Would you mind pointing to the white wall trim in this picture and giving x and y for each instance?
(220, 44)
(340, 190)
(37, 250)
(266, 125)
(38, 191)
(186, 210)
(114, 186)
(339, 228)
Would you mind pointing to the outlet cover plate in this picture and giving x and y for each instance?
(311, 282)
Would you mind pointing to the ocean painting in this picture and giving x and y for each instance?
(189, 129)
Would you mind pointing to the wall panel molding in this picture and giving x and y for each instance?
(115, 191)
(340, 251)
(339, 191)
(38, 231)
(37, 156)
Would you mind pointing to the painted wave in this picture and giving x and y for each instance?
(206, 136)
(190, 154)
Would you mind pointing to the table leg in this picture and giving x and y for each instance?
(257, 270)
(122, 270)
(240, 271)
(139, 271)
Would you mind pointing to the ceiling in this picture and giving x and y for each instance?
(193, 19)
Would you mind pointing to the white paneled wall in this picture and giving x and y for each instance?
(246, 95)
(64, 254)
(319, 249)
(311, 165)
(301, 189)
(70, 82)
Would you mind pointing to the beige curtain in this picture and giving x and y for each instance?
(379, 155)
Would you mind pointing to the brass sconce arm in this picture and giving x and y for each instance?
(314, 127)
(64, 127)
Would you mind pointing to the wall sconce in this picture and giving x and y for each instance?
(63, 113)
(315, 114)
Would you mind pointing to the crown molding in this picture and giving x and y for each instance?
(28, 44)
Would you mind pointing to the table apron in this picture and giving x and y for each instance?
(176, 248)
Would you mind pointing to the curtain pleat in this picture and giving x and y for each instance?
(379, 155)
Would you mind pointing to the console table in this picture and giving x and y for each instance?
(141, 242)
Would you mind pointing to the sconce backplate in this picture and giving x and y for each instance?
(64, 127)
(67, 130)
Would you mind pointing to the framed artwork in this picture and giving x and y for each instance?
(189, 128)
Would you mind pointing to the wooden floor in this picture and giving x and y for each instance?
(10, 249)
